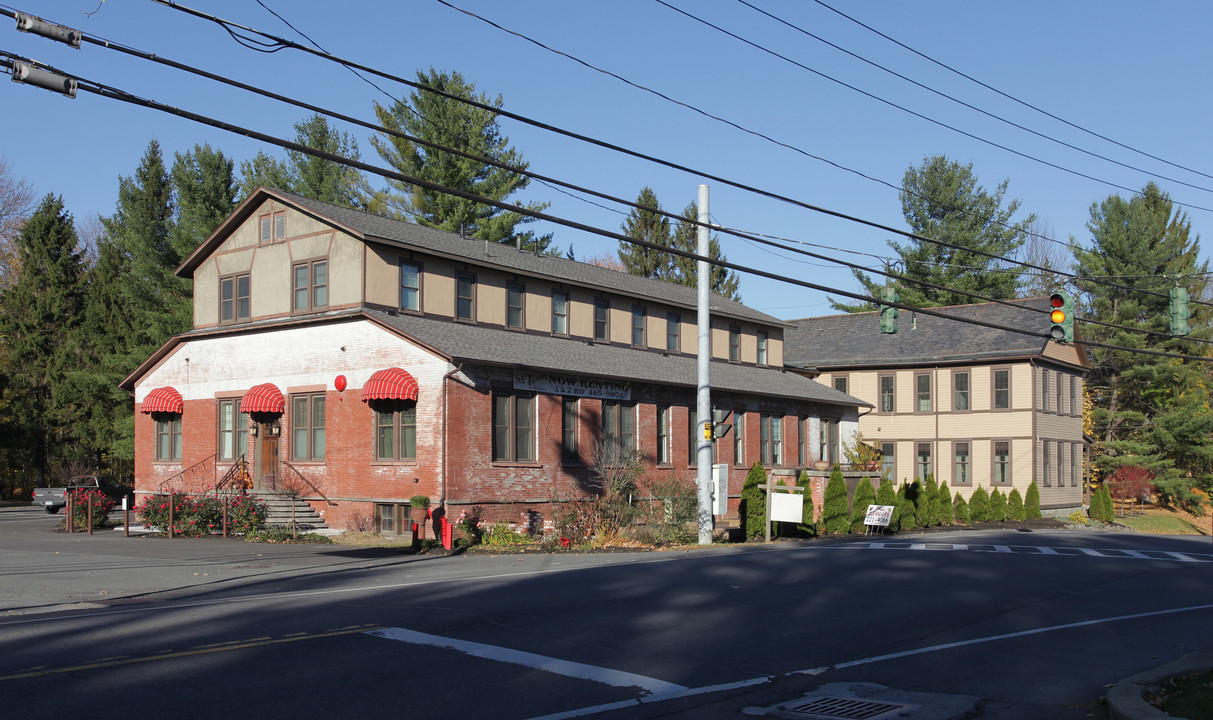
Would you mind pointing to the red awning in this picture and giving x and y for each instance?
(390, 384)
(162, 399)
(263, 398)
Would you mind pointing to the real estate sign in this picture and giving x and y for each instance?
(555, 384)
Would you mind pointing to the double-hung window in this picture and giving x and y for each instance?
(922, 388)
(168, 437)
(513, 427)
(663, 435)
(618, 430)
(762, 347)
(307, 427)
(1002, 389)
(887, 383)
(560, 312)
(887, 459)
(234, 298)
(961, 464)
(829, 441)
(1045, 472)
(960, 391)
(309, 285)
(514, 296)
(395, 430)
(672, 341)
(569, 419)
(923, 460)
(1002, 462)
(602, 315)
(738, 438)
(465, 297)
(770, 434)
(410, 286)
(734, 344)
(233, 430)
(638, 334)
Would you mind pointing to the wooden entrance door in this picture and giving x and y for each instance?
(267, 457)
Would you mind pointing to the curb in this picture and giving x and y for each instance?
(1127, 698)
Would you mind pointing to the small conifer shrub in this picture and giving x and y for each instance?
(979, 505)
(998, 506)
(865, 495)
(1031, 502)
(835, 508)
(1015, 507)
(960, 509)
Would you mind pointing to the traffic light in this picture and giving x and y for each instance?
(1061, 316)
(888, 314)
(1179, 311)
(720, 423)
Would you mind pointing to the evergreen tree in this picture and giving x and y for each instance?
(311, 176)
(960, 509)
(979, 505)
(907, 519)
(943, 501)
(930, 492)
(941, 200)
(1148, 247)
(205, 195)
(40, 319)
(1101, 506)
(998, 506)
(1015, 508)
(835, 509)
(1031, 503)
(645, 223)
(724, 282)
(865, 495)
(808, 523)
(473, 130)
(753, 510)
(917, 494)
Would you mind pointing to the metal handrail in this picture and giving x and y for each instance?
(310, 484)
(238, 473)
(165, 485)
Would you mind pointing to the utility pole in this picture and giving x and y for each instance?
(703, 453)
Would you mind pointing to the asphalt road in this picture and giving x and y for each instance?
(1034, 624)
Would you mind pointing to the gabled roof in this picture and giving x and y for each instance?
(406, 235)
(854, 340)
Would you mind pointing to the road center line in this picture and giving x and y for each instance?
(607, 676)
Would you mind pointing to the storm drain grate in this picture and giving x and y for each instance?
(826, 706)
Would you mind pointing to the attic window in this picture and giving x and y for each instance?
(273, 226)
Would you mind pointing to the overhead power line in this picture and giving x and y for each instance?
(1012, 98)
(123, 96)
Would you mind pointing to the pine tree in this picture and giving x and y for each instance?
(40, 319)
(941, 200)
(930, 492)
(472, 130)
(865, 495)
(1031, 503)
(724, 282)
(311, 176)
(646, 223)
(835, 509)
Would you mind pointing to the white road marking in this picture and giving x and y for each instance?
(606, 676)
(1105, 553)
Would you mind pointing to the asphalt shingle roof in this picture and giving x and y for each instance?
(855, 340)
(510, 259)
(485, 345)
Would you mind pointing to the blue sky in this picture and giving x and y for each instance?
(1128, 70)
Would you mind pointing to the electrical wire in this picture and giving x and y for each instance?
(1012, 98)
(123, 96)
(956, 100)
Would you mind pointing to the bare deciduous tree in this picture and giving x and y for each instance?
(16, 205)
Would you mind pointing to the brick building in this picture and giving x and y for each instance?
(367, 360)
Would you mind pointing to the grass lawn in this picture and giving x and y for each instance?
(1161, 524)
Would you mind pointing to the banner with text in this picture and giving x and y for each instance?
(553, 384)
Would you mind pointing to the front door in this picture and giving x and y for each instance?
(267, 457)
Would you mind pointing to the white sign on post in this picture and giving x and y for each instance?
(787, 507)
(878, 515)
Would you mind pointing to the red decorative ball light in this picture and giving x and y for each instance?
(340, 383)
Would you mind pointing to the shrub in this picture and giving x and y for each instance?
(1176, 492)
(865, 495)
(1078, 517)
(285, 534)
(1031, 502)
(917, 495)
(998, 506)
(1015, 508)
(675, 517)
(960, 509)
(245, 514)
(979, 505)
(574, 521)
(835, 510)
(469, 522)
(930, 491)
(102, 504)
(194, 516)
(1130, 482)
(1101, 506)
(943, 501)
(808, 525)
(753, 510)
(501, 534)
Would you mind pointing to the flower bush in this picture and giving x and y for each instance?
(194, 516)
(469, 523)
(102, 504)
